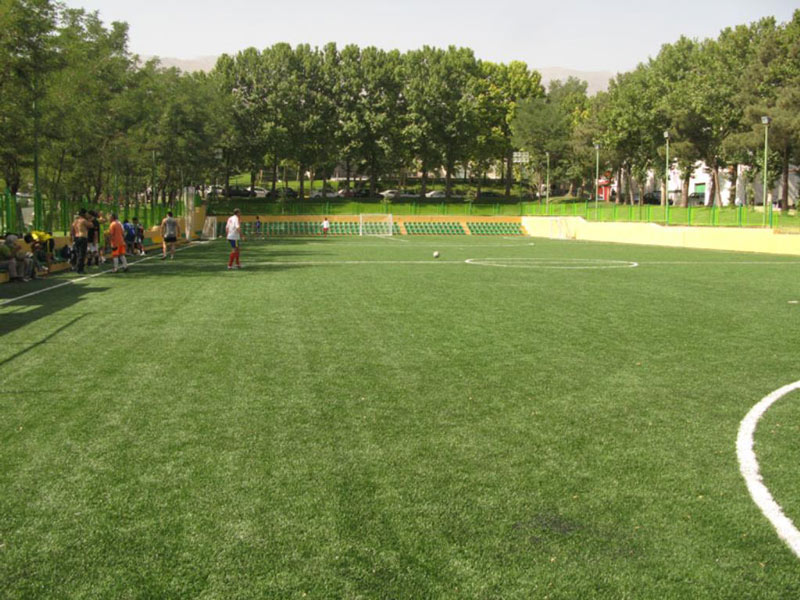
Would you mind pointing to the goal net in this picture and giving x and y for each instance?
(561, 229)
(210, 228)
(375, 224)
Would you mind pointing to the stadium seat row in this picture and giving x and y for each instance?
(433, 228)
(272, 228)
(479, 228)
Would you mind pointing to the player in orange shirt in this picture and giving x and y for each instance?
(117, 236)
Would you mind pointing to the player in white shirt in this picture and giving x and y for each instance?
(326, 226)
(233, 231)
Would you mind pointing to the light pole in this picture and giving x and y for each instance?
(767, 207)
(666, 179)
(547, 191)
(596, 178)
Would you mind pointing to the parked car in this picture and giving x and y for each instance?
(258, 192)
(323, 193)
(652, 198)
(389, 194)
(236, 191)
(281, 192)
(435, 194)
(697, 199)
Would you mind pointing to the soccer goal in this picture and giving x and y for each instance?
(560, 229)
(210, 228)
(375, 224)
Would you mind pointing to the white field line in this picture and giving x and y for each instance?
(719, 262)
(552, 263)
(86, 277)
(748, 465)
(301, 263)
(415, 244)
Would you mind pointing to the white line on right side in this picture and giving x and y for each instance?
(748, 465)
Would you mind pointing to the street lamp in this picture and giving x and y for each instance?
(547, 192)
(596, 178)
(767, 209)
(666, 179)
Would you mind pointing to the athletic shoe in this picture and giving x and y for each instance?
(164, 257)
(230, 268)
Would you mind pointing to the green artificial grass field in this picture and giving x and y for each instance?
(352, 418)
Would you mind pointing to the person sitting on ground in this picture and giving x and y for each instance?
(37, 255)
(12, 256)
(48, 244)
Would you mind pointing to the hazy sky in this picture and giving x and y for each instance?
(602, 35)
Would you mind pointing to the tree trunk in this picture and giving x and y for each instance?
(509, 171)
(785, 180)
(712, 196)
(685, 191)
(734, 178)
(629, 186)
(448, 178)
(301, 172)
(424, 181)
(373, 177)
(347, 174)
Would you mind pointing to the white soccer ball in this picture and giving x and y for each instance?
(436, 254)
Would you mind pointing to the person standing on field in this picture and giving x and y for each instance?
(138, 241)
(233, 231)
(118, 246)
(79, 232)
(326, 226)
(170, 230)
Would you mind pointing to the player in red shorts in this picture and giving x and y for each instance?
(117, 238)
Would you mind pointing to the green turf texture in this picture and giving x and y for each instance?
(417, 429)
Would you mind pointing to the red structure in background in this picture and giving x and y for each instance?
(604, 189)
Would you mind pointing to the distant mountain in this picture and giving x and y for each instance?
(201, 63)
(596, 80)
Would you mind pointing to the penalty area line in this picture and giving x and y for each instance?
(748, 466)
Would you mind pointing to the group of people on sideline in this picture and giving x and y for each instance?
(123, 239)
(120, 240)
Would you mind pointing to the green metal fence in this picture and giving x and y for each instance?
(737, 216)
(59, 213)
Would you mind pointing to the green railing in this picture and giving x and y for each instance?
(59, 213)
(735, 216)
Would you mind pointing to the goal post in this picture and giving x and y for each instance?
(210, 228)
(375, 224)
